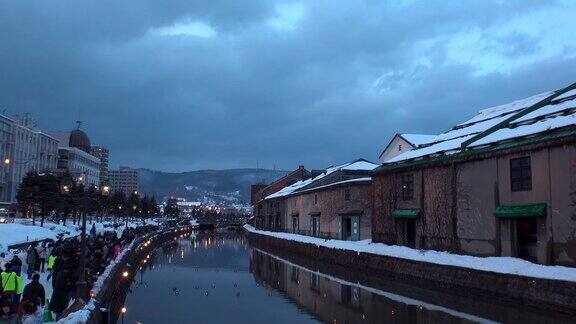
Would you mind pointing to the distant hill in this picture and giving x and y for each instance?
(210, 186)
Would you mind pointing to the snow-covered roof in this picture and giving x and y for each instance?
(561, 112)
(360, 166)
(357, 165)
(364, 179)
(289, 189)
(418, 139)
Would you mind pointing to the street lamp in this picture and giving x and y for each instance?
(7, 161)
(81, 284)
(123, 310)
(105, 192)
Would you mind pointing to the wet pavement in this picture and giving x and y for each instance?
(212, 277)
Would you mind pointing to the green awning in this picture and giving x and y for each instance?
(529, 210)
(406, 213)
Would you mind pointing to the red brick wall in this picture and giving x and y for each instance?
(294, 176)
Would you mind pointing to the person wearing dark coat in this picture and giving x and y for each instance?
(34, 291)
(31, 260)
(61, 294)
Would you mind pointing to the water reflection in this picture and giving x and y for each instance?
(333, 300)
(205, 278)
(219, 278)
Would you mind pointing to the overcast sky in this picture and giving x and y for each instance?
(185, 85)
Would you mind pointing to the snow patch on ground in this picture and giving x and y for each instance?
(14, 233)
(505, 265)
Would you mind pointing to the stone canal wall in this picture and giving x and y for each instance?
(110, 289)
(552, 295)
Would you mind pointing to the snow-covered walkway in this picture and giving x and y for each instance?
(505, 265)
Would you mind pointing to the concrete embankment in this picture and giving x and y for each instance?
(545, 294)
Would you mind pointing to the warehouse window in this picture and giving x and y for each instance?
(521, 174)
(408, 187)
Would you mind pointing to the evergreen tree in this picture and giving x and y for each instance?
(78, 192)
(27, 194)
(67, 188)
(105, 205)
(118, 203)
(134, 204)
(48, 194)
(171, 209)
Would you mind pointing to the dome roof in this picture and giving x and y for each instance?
(80, 140)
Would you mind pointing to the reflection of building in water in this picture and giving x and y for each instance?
(336, 301)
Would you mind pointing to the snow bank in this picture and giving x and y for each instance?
(504, 265)
(11, 234)
(82, 315)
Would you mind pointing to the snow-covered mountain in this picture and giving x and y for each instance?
(227, 187)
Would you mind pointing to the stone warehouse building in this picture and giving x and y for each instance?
(260, 191)
(502, 183)
(334, 204)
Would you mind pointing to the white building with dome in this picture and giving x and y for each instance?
(74, 156)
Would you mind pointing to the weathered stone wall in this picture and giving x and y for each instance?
(555, 295)
(477, 194)
(458, 201)
(330, 204)
(432, 194)
(561, 216)
(437, 220)
(384, 197)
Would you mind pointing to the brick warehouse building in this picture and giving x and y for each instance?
(333, 204)
(502, 183)
(259, 191)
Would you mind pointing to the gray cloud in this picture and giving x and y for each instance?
(333, 88)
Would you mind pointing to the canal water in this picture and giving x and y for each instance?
(210, 277)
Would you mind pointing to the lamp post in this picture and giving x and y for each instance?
(81, 284)
(65, 191)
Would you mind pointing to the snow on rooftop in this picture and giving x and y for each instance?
(361, 166)
(364, 179)
(525, 130)
(449, 146)
(546, 118)
(289, 189)
(566, 95)
(418, 139)
(506, 108)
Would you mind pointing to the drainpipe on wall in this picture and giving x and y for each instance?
(453, 212)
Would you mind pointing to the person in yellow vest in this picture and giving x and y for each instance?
(9, 281)
(51, 261)
(19, 288)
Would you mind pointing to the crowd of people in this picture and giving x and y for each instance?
(28, 303)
